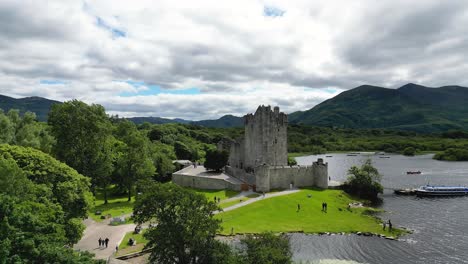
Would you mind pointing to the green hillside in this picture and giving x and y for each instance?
(40, 106)
(410, 107)
(224, 121)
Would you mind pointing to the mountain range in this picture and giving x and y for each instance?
(410, 107)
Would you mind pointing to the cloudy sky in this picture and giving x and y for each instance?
(203, 59)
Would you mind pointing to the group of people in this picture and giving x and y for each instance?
(389, 223)
(217, 199)
(103, 242)
(324, 207)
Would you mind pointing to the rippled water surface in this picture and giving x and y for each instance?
(440, 224)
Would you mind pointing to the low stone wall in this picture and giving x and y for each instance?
(198, 182)
(281, 177)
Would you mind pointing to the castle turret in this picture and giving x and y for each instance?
(266, 137)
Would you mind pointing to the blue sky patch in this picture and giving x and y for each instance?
(116, 33)
(51, 82)
(272, 11)
(155, 89)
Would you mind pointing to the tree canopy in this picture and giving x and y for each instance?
(185, 227)
(364, 181)
(33, 224)
(216, 159)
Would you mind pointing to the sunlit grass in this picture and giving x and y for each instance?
(281, 214)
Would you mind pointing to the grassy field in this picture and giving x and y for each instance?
(125, 248)
(210, 194)
(117, 205)
(236, 201)
(280, 214)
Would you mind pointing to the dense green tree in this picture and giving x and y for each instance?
(266, 248)
(186, 227)
(182, 151)
(216, 159)
(82, 132)
(7, 129)
(133, 161)
(33, 226)
(409, 151)
(453, 154)
(24, 131)
(69, 187)
(364, 181)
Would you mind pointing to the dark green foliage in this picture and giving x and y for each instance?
(33, 226)
(186, 228)
(216, 159)
(133, 162)
(182, 151)
(267, 248)
(24, 131)
(292, 161)
(309, 139)
(364, 181)
(83, 133)
(69, 187)
(411, 107)
(453, 154)
(409, 151)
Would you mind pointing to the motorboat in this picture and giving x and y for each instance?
(430, 190)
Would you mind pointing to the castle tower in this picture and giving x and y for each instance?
(265, 139)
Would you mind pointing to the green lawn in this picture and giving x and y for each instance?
(280, 214)
(236, 201)
(210, 194)
(125, 248)
(117, 205)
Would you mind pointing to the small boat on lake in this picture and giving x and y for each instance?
(413, 172)
(328, 156)
(384, 157)
(429, 190)
(405, 191)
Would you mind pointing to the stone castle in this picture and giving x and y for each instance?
(258, 160)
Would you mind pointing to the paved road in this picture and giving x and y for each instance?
(94, 230)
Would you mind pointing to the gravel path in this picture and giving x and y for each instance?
(95, 230)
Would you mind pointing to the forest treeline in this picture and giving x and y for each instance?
(49, 171)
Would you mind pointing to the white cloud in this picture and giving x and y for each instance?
(230, 50)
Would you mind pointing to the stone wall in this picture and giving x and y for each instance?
(281, 177)
(265, 138)
(198, 182)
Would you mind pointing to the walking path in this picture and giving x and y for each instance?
(95, 230)
(253, 200)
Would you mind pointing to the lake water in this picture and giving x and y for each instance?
(440, 225)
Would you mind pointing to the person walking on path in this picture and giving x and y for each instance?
(106, 241)
(390, 226)
(326, 207)
(100, 242)
(384, 225)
